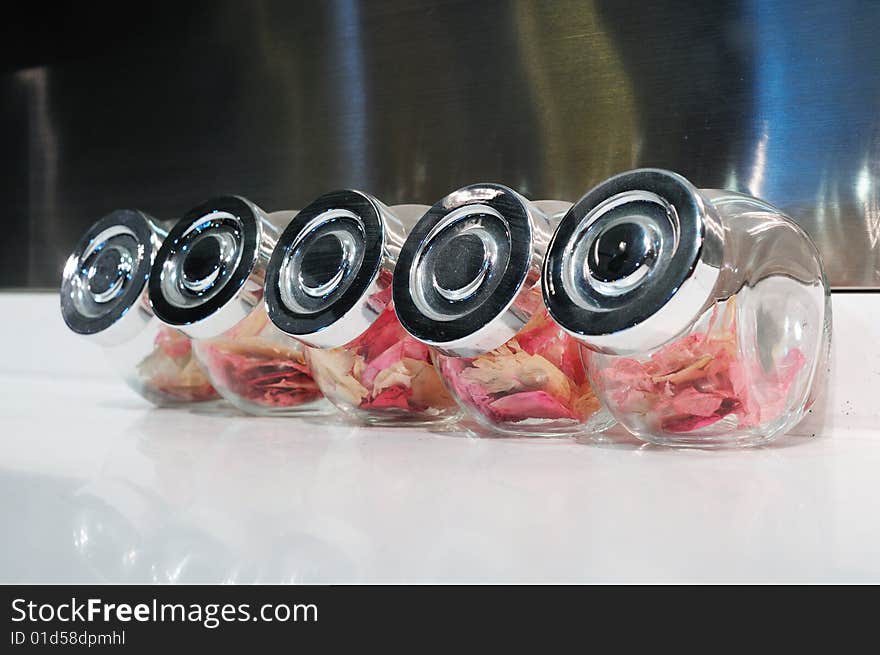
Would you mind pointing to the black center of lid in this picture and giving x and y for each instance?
(619, 252)
(460, 262)
(202, 260)
(322, 261)
(105, 271)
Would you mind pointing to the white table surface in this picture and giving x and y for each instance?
(96, 486)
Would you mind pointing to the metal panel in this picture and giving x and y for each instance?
(282, 101)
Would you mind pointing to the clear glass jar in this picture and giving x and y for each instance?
(207, 280)
(468, 285)
(104, 299)
(328, 285)
(708, 311)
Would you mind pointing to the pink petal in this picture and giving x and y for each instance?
(173, 343)
(691, 401)
(391, 397)
(385, 331)
(529, 404)
(678, 354)
(538, 339)
(275, 382)
(388, 358)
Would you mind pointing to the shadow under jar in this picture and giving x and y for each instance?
(328, 285)
(468, 285)
(207, 280)
(104, 299)
(708, 311)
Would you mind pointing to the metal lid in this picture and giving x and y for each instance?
(325, 268)
(208, 274)
(463, 267)
(104, 282)
(634, 262)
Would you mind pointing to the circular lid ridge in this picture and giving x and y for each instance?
(325, 269)
(633, 262)
(200, 274)
(106, 275)
(462, 268)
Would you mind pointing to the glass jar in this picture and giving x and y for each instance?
(328, 285)
(468, 285)
(708, 311)
(207, 280)
(104, 299)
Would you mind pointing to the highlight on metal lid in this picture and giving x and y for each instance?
(104, 281)
(325, 267)
(633, 262)
(462, 269)
(206, 276)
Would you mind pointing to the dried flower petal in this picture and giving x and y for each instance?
(539, 374)
(254, 362)
(393, 397)
(383, 369)
(585, 403)
(338, 379)
(171, 370)
(699, 379)
(693, 371)
(278, 382)
(691, 401)
(529, 404)
(173, 342)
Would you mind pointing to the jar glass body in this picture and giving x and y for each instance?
(536, 384)
(752, 361)
(104, 299)
(159, 365)
(258, 369)
(207, 280)
(384, 376)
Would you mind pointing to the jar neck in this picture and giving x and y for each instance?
(760, 241)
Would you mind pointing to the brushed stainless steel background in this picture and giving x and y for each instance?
(160, 108)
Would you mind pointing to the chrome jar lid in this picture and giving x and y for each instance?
(634, 262)
(326, 267)
(462, 269)
(207, 275)
(104, 281)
